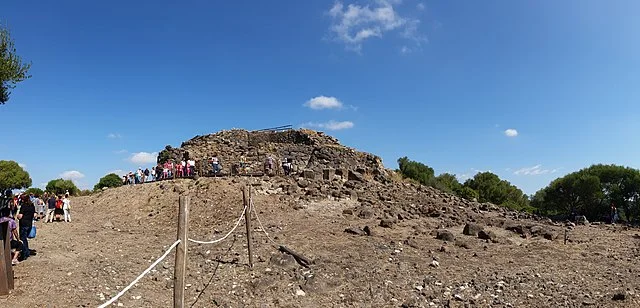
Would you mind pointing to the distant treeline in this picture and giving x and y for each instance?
(591, 191)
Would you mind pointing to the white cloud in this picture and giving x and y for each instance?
(142, 158)
(123, 151)
(420, 6)
(114, 136)
(23, 166)
(535, 170)
(511, 132)
(324, 102)
(72, 175)
(117, 171)
(331, 125)
(354, 24)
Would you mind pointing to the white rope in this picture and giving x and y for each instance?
(261, 226)
(227, 235)
(141, 275)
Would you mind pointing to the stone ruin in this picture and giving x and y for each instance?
(314, 154)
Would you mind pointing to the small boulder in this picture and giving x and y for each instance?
(354, 231)
(472, 229)
(620, 296)
(387, 223)
(445, 235)
(367, 231)
(304, 183)
(487, 235)
(355, 176)
(366, 213)
(582, 220)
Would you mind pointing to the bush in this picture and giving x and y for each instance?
(35, 191)
(60, 186)
(109, 180)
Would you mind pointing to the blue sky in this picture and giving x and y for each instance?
(443, 82)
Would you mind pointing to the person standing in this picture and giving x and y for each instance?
(51, 208)
(25, 217)
(66, 207)
(215, 164)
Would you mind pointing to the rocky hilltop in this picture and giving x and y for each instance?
(312, 152)
(372, 239)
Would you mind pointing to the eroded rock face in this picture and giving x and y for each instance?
(309, 150)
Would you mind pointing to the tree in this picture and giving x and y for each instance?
(109, 180)
(12, 176)
(448, 182)
(35, 191)
(491, 188)
(468, 193)
(591, 191)
(60, 187)
(416, 171)
(12, 68)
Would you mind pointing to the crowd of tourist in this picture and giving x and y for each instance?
(22, 211)
(187, 168)
(168, 170)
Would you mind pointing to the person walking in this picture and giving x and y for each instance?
(66, 207)
(25, 217)
(51, 209)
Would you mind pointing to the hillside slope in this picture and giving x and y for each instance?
(117, 233)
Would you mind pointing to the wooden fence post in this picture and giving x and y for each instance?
(180, 268)
(6, 270)
(247, 218)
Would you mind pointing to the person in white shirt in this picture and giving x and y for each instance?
(215, 164)
(66, 207)
(191, 167)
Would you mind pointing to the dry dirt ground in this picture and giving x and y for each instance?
(119, 232)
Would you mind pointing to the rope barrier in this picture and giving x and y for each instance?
(262, 226)
(224, 237)
(115, 298)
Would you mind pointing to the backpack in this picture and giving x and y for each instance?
(5, 202)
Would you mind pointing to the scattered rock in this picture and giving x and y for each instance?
(472, 229)
(366, 213)
(582, 220)
(387, 223)
(367, 230)
(620, 296)
(355, 231)
(487, 235)
(355, 176)
(445, 235)
(304, 183)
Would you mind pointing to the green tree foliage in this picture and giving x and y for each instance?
(12, 69)
(12, 176)
(491, 188)
(483, 187)
(84, 192)
(35, 191)
(468, 193)
(591, 191)
(416, 171)
(109, 180)
(60, 186)
(448, 182)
